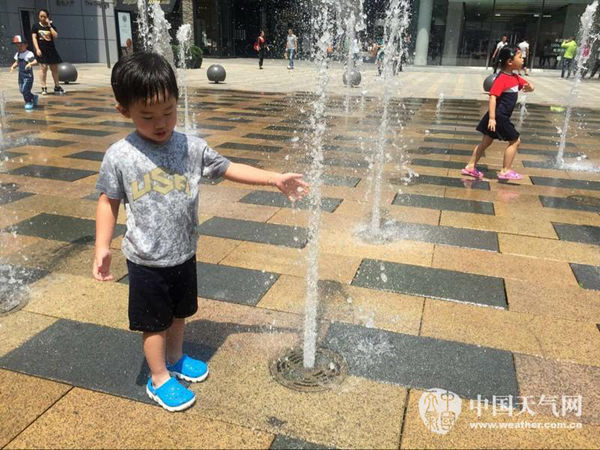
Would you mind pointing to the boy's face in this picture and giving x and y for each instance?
(154, 122)
(21, 47)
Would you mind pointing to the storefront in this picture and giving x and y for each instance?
(465, 32)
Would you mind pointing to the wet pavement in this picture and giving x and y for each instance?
(491, 290)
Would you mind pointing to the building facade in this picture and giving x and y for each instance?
(442, 32)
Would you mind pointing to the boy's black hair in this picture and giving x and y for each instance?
(507, 53)
(143, 76)
(44, 10)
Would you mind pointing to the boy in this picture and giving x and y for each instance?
(25, 60)
(496, 124)
(156, 172)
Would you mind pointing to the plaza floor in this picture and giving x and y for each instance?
(492, 289)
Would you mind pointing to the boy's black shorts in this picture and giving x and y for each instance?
(157, 295)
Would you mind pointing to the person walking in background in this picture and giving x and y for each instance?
(291, 48)
(570, 47)
(43, 35)
(260, 46)
(128, 49)
(524, 47)
(503, 42)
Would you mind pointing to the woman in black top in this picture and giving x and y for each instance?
(43, 35)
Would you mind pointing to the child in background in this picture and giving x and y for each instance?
(25, 60)
(156, 172)
(496, 123)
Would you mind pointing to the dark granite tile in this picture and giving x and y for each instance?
(269, 198)
(246, 230)
(282, 442)
(340, 162)
(40, 122)
(93, 196)
(548, 153)
(82, 132)
(42, 142)
(13, 290)
(60, 228)
(117, 123)
(423, 362)
(100, 109)
(444, 164)
(245, 113)
(229, 119)
(586, 234)
(233, 284)
(446, 181)
(566, 183)
(212, 126)
(565, 203)
(4, 155)
(64, 352)
(444, 203)
(438, 234)
(588, 277)
(10, 195)
(53, 173)
(440, 151)
(339, 180)
(251, 147)
(88, 155)
(429, 282)
(268, 137)
(451, 140)
(72, 114)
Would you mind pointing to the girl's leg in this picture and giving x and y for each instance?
(509, 155)
(155, 349)
(44, 74)
(175, 340)
(486, 141)
(54, 70)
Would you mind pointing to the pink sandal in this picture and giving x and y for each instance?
(472, 173)
(510, 175)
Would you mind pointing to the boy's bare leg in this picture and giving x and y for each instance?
(175, 340)
(509, 155)
(479, 149)
(155, 348)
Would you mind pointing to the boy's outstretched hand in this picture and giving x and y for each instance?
(101, 267)
(292, 185)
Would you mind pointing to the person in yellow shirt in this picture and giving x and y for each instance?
(570, 47)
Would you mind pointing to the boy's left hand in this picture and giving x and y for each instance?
(292, 185)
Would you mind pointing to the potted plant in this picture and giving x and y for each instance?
(196, 57)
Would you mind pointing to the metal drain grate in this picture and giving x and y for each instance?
(330, 370)
(587, 200)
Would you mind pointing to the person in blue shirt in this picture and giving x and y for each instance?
(24, 61)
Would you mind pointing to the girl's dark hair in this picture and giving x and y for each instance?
(143, 76)
(506, 54)
(44, 10)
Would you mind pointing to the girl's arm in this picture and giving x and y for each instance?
(290, 184)
(492, 113)
(106, 217)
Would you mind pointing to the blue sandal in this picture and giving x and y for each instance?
(189, 369)
(171, 395)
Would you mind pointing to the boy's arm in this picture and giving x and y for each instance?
(31, 63)
(106, 217)
(492, 113)
(14, 66)
(290, 184)
(529, 87)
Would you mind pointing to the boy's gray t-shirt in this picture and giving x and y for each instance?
(159, 186)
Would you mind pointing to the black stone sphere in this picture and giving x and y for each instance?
(216, 73)
(355, 77)
(487, 83)
(67, 73)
